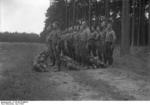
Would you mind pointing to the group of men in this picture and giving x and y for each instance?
(87, 46)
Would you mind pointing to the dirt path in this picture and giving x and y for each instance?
(18, 81)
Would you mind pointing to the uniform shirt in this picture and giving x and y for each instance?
(85, 33)
(95, 34)
(110, 36)
(54, 36)
(102, 35)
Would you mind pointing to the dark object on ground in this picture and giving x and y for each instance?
(96, 62)
(40, 67)
(69, 63)
(40, 63)
(73, 65)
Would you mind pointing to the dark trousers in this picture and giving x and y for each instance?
(108, 53)
(92, 47)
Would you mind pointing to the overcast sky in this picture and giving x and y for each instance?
(23, 15)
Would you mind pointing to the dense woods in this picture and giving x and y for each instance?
(130, 18)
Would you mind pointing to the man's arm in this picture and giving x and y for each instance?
(114, 36)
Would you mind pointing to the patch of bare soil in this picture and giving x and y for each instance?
(66, 83)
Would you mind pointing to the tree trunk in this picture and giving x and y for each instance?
(106, 9)
(139, 23)
(142, 33)
(66, 22)
(68, 17)
(133, 24)
(125, 31)
(90, 14)
(149, 26)
(73, 13)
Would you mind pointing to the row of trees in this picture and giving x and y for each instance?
(130, 17)
(19, 37)
(135, 24)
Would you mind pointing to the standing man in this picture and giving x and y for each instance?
(49, 44)
(110, 39)
(83, 43)
(102, 29)
(92, 42)
(99, 43)
(54, 45)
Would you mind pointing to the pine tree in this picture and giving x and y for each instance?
(125, 33)
(149, 24)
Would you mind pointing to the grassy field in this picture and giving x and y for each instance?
(127, 79)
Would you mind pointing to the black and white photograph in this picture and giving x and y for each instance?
(74, 50)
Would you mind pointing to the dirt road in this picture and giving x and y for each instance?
(119, 82)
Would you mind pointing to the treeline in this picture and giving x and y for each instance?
(70, 13)
(19, 37)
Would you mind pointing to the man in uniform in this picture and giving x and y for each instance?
(110, 39)
(99, 43)
(54, 45)
(82, 45)
(101, 33)
(50, 47)
(92, 42)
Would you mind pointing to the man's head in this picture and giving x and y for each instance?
(49, 27)
(84, 25)
(109, 26)
(55, 25)
(103, 24)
